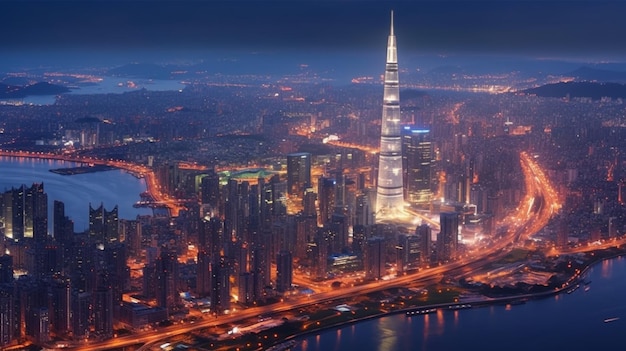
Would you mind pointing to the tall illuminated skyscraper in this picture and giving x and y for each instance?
(417, 157)
(298, 172)
(390, 199)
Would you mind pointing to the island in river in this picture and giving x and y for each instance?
(91, 168)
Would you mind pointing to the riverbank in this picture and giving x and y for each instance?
(336, 314)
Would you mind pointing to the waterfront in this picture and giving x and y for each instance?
(573, 321)
(113, 187)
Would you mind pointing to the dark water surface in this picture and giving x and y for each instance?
(573, 321)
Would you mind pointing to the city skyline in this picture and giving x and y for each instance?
(275, 192)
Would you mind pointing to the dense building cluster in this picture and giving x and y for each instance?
(281, 186)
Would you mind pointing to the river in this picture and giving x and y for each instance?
(111, 188)
(573, 321)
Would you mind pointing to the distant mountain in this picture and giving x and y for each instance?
(601, 75)
(592, 90)
(42, 88)
(143, 70)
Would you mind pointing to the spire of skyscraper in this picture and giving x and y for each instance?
(390, 198)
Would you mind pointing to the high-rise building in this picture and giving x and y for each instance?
(210, 190)
(417, 157)
(211, 236)
(260, 264)
(246, 288)
(36, 213)
(298, 172)
(423, 232)
(81, 314)
(96, 221)
(308, 202)
(111, 225)
(25, 213)
(326, 197)
(103, 311)
(306, 227)
(167, 279)
(60, 297)
(390, 199)
(374, 259)
(60, 229)
(8, 315)
(448, 237)
(409, 252)
(220, 289)
(203, 275)
(364, 210)
(40, 324)
(103, 224)
(6, 269)
(284, 271)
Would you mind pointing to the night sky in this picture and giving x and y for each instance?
(586, 29)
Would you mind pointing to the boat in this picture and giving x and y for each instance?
(587, 288)
(420, 311)
(609, 320)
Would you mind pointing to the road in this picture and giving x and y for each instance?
(534, 212)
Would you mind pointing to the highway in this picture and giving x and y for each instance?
(534, 212)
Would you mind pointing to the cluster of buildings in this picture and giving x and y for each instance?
(307, 213)
(63, 284)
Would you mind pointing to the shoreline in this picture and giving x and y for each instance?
(573, 281)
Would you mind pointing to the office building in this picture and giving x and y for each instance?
(417, 158)
(448, 237)
(298, 173)
(25, 213)
(284, 271)
(220, 289)
(103, 224)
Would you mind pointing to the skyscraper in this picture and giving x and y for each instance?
(417, 156)
(25, 213)
(389, 193)
(220, 289)
(374, 260)
(103, 224)
(298, 172)
(448, 238)
(284, 271)
(167, 279)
